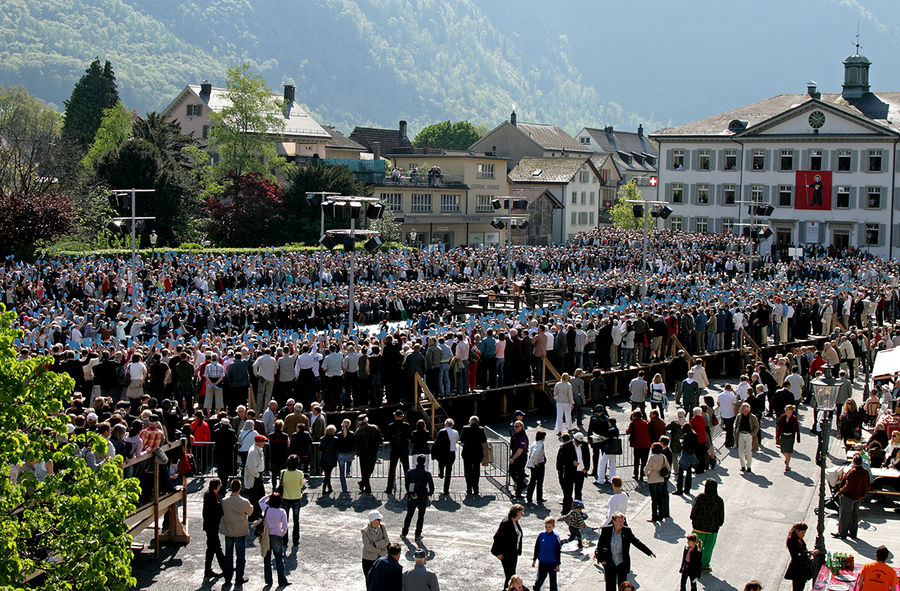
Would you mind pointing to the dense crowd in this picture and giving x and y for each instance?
(243, 355)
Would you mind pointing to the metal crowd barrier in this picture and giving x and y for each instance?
(497, 469)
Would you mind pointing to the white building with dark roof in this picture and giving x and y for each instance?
(301, 136)
(826, 162)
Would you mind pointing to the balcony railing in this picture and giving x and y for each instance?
(422, 179)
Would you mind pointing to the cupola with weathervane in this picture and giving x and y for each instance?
(856, 76)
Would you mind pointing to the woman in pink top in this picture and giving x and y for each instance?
(500, 356)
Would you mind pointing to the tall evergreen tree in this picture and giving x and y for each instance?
(93, 93)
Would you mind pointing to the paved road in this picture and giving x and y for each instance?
(760, 509)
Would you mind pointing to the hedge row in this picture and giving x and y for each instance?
(185, 249)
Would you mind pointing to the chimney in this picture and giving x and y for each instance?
(640, 130)
(609, 129)
(512, 118)
(376, 150)
(288, 94)
(811, 89)
(402, 128)
(205, 88)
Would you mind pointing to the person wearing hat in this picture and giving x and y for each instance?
(518, 447)
(375, 541)
(253, 470)
(519, 416)
(419, 578)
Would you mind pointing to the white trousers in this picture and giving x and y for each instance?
(606, 460)
(563, 414)
(745, 449)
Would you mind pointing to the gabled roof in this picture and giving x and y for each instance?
(880, 109)
(340, 141)
(392, 141)
(532, 194)
(297, 122)
(631, 152)
(551, 137)
(548, 170)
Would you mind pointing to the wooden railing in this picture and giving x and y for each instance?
(743, 338)
(149, 513)
(544, 367)
(429, 407)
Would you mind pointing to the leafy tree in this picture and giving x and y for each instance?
(140, 164)
(304, 222)
(249, 212)
(26, 219)
(387, 228)
(244, 132)
(448, 136)
(115, 128)
(28, 150)
(70, 525)
(622, 212)
(166, 135)
(94, 93)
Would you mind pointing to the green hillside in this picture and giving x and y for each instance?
(354, 62)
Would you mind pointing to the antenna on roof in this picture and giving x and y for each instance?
(856, 43)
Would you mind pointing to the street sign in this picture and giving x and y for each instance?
(653, 181)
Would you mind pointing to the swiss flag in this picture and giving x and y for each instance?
(653, 181)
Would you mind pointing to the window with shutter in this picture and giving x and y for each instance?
(842, 197)
(843, 161)
(874, 161)
(730, 192)
(730, 159)
(815, 160)
(872, 235)
(759, 160)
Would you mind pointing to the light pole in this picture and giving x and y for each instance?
(869, 307)
(520, 221)
(153, 239)
(317, 199)
(825, 390)
(352, 207)
(116, 200)
(639, 209)
(412, 236)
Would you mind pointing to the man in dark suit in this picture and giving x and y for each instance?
(573, 462)
(419, 487)
(614, 551)
(472, 440)
(507, 546)
(386, 573)
(212, 515)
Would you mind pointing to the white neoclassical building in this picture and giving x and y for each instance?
(826, 162)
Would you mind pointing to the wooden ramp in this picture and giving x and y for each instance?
(161, 505)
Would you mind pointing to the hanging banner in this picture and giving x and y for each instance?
(813, 190)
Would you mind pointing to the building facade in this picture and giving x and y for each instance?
(453, 207)
(576, 183)
(514, 140)
(826, 163)
(301, 137)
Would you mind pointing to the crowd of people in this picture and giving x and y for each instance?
(244, 355)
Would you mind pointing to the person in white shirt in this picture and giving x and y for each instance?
(795, 384)
(565, 402)
(270, 416)
(333, 366)
(536, 464)
(264, 368)
(727, 402)
(618, 501)
(444, 452)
